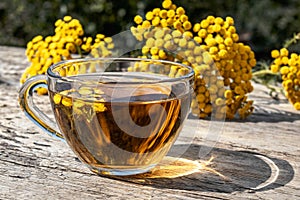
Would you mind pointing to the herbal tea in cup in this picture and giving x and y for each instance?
(118, 120)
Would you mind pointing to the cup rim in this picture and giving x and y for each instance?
(189, 75)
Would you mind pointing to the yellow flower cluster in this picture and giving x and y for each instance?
(92, 95)
(222, 64)
(233, 59)
(100, 47)
(288, 65)
(67, 42)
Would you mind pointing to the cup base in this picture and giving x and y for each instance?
(120, 172)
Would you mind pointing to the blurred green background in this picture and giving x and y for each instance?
(264, 25)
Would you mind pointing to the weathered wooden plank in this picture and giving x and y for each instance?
(257, 158)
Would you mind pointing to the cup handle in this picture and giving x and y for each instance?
(31, 110)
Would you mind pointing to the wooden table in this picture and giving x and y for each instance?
(257, 158)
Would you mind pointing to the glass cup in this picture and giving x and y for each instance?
(120, 116)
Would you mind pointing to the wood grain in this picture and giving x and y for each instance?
(256, 158)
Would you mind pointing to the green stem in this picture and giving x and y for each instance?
(263, 72)
(79, 50)
(292, 40)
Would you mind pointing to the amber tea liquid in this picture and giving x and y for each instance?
(121, 126)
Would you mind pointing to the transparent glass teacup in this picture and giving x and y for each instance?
(120, 116)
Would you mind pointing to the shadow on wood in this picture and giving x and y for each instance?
(228, 172)
(272, 115)
(263, 114)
